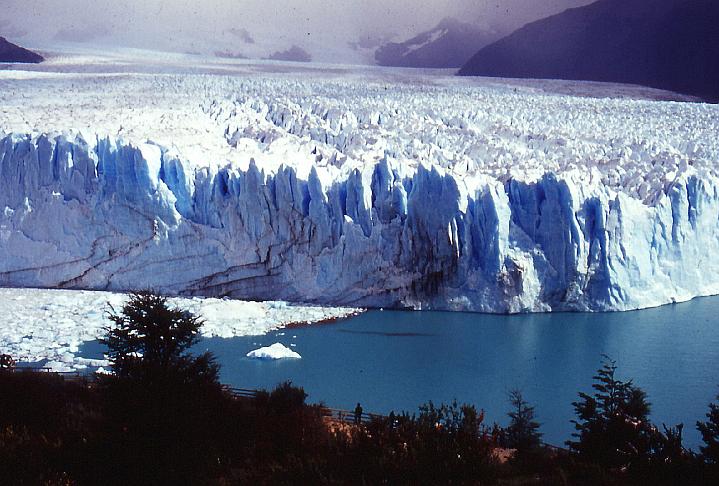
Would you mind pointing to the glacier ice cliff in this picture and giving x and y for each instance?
(103, 213)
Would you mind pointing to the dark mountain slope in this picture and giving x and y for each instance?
(667, 44)
(9, 52)
(449, 45)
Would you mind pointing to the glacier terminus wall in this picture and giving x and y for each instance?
(432, 193)
(107, 215)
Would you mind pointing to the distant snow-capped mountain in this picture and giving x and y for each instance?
(450, 44)
(667, 44)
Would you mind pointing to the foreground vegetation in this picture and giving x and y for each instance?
(164, 418)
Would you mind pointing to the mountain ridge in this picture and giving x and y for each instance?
(10, 52)
(448, 45)
(670, 44)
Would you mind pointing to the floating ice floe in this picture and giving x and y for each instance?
(49, 326)
(276, 351)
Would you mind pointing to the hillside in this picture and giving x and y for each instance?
(10, 52)
(667, 44)
(449, 45)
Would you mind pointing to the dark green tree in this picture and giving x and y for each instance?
(168, 418)
(710, 434)
(612, 426)
(523, 430)
(150, 337)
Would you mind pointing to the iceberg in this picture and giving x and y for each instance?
(273, 352)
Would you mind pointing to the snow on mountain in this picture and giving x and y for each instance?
(362, 188)
(49, 326)
(448, 45)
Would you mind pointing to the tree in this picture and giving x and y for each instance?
(613, 429)
(523, 431)
(167, 416)
(149, 336)
(710, 434)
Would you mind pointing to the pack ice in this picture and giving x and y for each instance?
(48, 327)
(338, 187)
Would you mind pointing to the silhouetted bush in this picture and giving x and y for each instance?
(443, 444)
(46, 423)
(290, 440)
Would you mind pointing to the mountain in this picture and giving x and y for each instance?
(230, 55)
(294, 54)
(667, 44)
(449, 45)
(9, 52)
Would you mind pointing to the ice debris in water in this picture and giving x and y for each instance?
(50, 326)
(275, 351)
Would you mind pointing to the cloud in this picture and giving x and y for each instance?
(83, 33)
(242, 34)
(10, 31)
(208, 25)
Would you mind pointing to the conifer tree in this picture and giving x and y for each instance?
(710, 434)
(612, 426)
(164, 405)
(523, 430)
(149, 337)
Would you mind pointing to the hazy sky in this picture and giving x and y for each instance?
(202, 25)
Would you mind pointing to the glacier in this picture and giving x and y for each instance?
(329, 188)
(106, 215)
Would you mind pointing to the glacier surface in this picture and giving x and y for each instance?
(386, 189)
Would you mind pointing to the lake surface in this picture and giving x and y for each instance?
(397, 360)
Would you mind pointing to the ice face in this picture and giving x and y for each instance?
(366, 191)
(108, 215)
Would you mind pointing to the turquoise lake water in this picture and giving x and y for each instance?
(397, 360)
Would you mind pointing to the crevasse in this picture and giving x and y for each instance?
(105, 214)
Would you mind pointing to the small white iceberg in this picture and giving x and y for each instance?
(276, 351)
